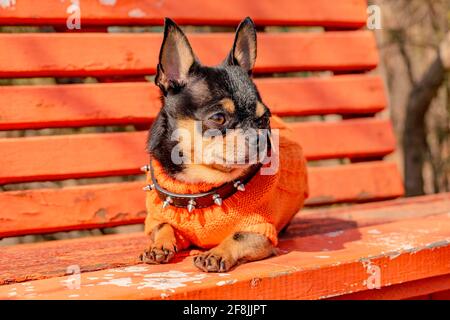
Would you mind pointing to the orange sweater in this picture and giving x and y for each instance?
(267, 205)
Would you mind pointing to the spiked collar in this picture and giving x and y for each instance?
(212, 197)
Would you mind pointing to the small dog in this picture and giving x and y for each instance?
(232, 209)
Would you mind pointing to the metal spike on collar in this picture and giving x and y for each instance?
(240, 186)
(145, 168)
(149, 187)
(191, 205)
(167, 202)
(217, 199)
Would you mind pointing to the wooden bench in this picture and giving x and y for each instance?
(343, 251)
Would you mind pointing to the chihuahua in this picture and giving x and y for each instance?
(230, 208)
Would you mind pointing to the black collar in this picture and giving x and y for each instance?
(212, 197)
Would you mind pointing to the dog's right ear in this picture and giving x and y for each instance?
(175, 58)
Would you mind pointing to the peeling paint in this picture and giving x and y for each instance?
(334, 234)
(136, 13)
(169, 280)
(394, 255)
(438, 244)
(226, 282)
(132, 269)
(120, 282)
(108, 2)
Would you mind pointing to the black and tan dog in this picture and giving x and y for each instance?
(232, 209)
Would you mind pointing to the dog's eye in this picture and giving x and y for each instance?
(218, 118)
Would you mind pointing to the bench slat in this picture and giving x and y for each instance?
(84, 207)
(97, 253)
(318, 266)
(344, 13)
(95, 54)
(138, 103)
(424, 289)
(89, 155)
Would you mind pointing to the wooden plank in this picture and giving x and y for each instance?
(312, 221)
(423, 289)
(103, 104)
(95, 206)
(110, 251)
(362, 138)
(89, 155)
(443, 295)
(319, 266)
(95, 54)
(357, 182)
(345, 13)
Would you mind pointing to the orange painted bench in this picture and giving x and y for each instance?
(373, 245)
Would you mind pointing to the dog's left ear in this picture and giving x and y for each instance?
(243, 53)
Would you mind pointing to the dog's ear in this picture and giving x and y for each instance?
(243, 53)
(175, 58)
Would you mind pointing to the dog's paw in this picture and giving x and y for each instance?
(159, 253)
(214, 260)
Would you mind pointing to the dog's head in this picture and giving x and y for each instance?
(215, 106)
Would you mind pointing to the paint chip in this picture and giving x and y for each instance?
(169, 280)
(136, 13)
(108, 2)
(132, 269)
(227, 282)
(334, 234)
(120, 282)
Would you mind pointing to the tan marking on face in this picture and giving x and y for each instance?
(228, 105)
(260, 109)
(187, 146)
(196, 173)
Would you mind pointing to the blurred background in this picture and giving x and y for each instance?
(414, 46)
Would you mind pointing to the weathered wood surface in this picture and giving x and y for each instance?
(104, 104)
(107, 205)
(316, 266)
(96, 54)
(344, 13)
(50, 259)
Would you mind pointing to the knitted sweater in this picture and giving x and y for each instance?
(266, 207)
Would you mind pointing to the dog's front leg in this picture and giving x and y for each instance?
(163, 245)
(238, 248)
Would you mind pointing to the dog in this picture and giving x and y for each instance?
(231, 209)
